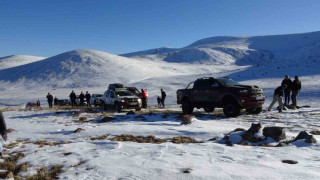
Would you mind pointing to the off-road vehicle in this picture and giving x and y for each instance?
(209, 93)
(120, 98)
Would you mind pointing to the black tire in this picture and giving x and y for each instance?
(254, 110)
(208, 109)
(138, 109)
(231, 108)
(187, 107)
(95, 103)
(117, 107)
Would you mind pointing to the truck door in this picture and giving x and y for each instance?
(199, 91)
(213, 93)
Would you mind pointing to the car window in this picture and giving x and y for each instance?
(190, 86)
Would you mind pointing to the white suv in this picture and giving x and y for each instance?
(96, 99)
(120, 98)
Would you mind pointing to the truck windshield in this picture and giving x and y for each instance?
(228, 82)
(123, 93)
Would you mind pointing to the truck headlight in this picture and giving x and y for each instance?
(139, 100)
(122, 100)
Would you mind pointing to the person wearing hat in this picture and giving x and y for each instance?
(277, 96)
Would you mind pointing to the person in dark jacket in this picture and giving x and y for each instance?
(73, 97)
(55, 101)
(50, 100)
(277, 96)
(88, 97)
(296, 87)
(3, 127)
(159, 101)
(287, 81)
(81, 98)
(163, 97)
(38, 103)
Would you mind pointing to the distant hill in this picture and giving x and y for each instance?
(17, 60)
(81, 68)
(247, 50)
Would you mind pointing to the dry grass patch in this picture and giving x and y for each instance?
(11, 166)
(43, 143)
(99, 137)
(315, 132)
(138, 139)
(47, 174)
(183, 140)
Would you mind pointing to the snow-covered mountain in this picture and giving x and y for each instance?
(83, 68)
(250, 50)
(17, 60)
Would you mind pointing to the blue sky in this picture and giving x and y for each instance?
(50, 27)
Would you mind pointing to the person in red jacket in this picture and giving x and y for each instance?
(144, 98)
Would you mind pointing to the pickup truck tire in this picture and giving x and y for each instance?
(231, 108)
(117, 107)
(138, 109)
(208, 109)
(254, 110)
(187, 107)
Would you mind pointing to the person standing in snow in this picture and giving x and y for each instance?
(3, 131)
(296, 87)
(277, 96)
(287, 81)
(88, 97)
(163, 97)
(38, 103)
(73, 97)
(159, 101)
(81, 98)
(55, 101)
(49, 99)
(144, 98)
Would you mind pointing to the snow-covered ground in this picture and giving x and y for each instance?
(106, 159)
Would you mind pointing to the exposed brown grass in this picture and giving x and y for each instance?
(151, 139)
(47, 174)
(99, 137)
(315, 132)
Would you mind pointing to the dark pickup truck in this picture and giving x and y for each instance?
(209, 93)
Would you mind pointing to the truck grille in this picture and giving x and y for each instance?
(132, 100)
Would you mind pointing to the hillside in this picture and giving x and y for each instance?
(17, 60)
(87, 68)
(249, 50)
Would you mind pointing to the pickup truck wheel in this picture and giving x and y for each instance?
(231, 108)
(187, 107)
(254, 110)
(117, 107)
(95, 103)
(208, 109)
(138, 109)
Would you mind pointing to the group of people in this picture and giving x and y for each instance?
(73, 97)
(82, 97)
(287, 88)
(161, 99)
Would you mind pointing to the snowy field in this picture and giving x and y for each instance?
(106, 159)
